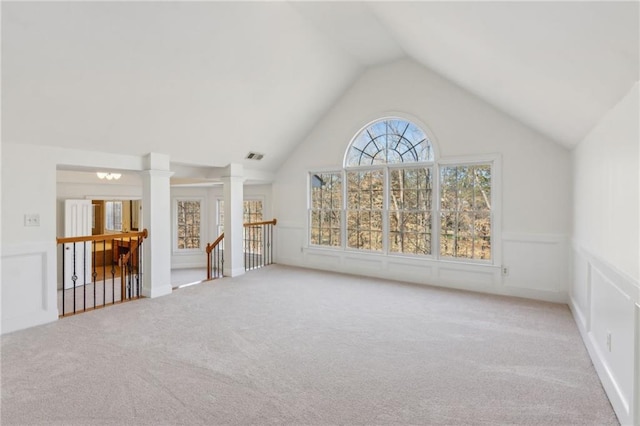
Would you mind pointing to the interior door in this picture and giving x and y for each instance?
(77, 223)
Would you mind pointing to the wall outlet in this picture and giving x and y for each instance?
(609, 341)
(505, 271)
(32, 219)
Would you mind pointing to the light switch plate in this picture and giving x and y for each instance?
(32, 219)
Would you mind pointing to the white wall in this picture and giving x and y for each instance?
(29, 252)
(535, 184)
(605, 295)
(31, 184)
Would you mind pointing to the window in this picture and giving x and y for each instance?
(188, 224)
(410, 210)
(392, 198)
(364, 209)
(113, 215)
(466, 211)
(251, 213)
(326, 209)
(389, 141)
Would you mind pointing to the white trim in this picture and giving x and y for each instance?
(190, 265)
(636, 383)
(534, 238)
(386, 118)
(403, 115)
(493, 160)
(111, 197)
(626, 404)
(620, 280)
(469, 160)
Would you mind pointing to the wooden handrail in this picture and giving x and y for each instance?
(268, 222)
(134, 247)
(213, 245)
(143, 234)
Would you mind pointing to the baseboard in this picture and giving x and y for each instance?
(191, 265)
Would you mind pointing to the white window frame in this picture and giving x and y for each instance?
(433, 166)
(106, 219)
(343, 240)
(495, 160)
(385, 227)
(186, 251)
(220, 226)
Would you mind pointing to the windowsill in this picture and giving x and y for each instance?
(409, 259)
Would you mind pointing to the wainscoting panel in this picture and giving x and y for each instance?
(536, 265)
(478, 279)
(536, 262)
(580, 293)
(411, 271)
(289, 240)
(604, 302)
(28, 286)
(324, 260)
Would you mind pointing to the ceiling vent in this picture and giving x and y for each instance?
(254, 156)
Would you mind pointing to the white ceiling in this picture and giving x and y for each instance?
(208, 82)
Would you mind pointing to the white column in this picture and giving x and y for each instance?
(233, 197)
(156, 214)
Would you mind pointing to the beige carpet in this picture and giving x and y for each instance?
(283, 345)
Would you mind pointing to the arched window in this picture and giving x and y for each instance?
(392, 197)
(389, 141)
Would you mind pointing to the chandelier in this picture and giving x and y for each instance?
(108, 176)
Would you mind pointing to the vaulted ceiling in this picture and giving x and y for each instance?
(208, 82)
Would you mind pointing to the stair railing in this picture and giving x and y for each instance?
(91, 265)
(257, 245)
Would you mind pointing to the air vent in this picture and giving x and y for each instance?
(254, 156)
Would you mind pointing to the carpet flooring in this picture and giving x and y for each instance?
(283, 345)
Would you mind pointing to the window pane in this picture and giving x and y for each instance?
(113, 215)
(326, 206)
(465, 204)
(482, 187)
(410, 210)
(482, 237)
(188, 224)
(389, 141)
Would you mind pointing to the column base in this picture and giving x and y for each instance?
(233, 272)
(157, 291)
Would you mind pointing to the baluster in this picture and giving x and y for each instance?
(84, 276)
(113, 271)
(74, 277)
(104, 271)
(94, 272)
(64, 290)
